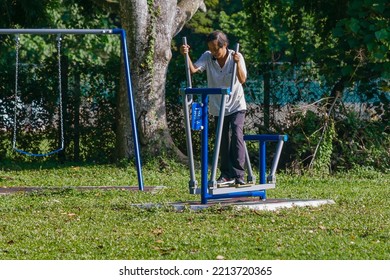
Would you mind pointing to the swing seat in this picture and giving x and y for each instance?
(38, 155)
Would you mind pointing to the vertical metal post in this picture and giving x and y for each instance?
(271, 177)
(187, 62)
(248, 162)
(131, 107)
(233, 79)
(204, 150)
(250, 176)
(187, 100)
(218, 137)
(262, 161)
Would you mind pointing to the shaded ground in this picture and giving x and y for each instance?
(11, 190)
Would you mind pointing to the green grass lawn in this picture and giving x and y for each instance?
(65, 223)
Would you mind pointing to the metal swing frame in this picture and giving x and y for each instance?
(122, 34)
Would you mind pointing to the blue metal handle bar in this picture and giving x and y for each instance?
(206, 91)
(266, 137)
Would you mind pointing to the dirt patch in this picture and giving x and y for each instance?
(12, 190)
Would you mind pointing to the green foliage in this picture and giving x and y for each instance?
(323, 159)
(341, 142)
(23, 13)
(282, 31)
(202, 23)
(311, 144)
(304, 135)
(344, 38)
(364, 39)
(362, 143)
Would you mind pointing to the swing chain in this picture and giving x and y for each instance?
(59, 39)
(16, 89)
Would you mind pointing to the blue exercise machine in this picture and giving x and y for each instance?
(199, 121)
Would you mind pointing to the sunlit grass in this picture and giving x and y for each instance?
(63, 222)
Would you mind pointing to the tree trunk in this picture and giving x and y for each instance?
(150, 27)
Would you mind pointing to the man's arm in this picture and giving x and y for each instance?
(241, 73)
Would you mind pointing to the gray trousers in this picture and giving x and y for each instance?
(232, 151)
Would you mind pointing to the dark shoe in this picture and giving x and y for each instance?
(223, 181)
(240, 181)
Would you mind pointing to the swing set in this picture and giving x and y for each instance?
(60, 33)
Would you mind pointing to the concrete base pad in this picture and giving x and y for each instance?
(253, 203)
(243, 203)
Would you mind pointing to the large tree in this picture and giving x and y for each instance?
(150, 25)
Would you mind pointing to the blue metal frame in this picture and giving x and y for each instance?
(263, 139)
(122, 34)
